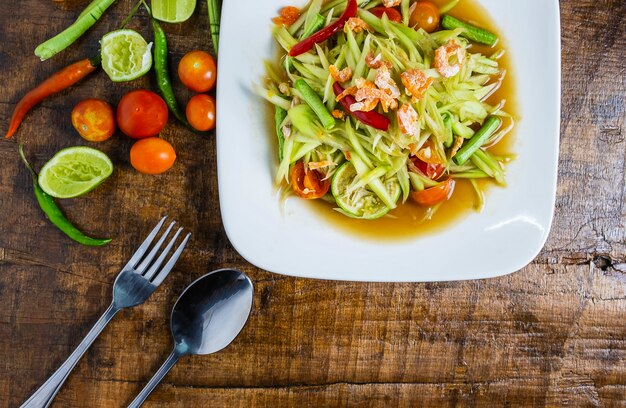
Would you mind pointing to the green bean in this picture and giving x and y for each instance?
(470, 31)
(279, 117)
(314, 101)
(65, 38)
(478, 140)
(54, 214)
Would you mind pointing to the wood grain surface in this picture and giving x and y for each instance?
(553, 334)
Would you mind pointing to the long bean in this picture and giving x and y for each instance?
(315, 102)
(478, 140)
(64, 39)
(470, 31)
(214, 22)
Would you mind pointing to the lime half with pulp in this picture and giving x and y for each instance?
(125, 55)
(74, 171)
(360, 202)
(173, 11)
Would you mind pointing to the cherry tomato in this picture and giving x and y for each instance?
(424, 14)
(434, 195)
(152, 155)
(428, 154)
(309, 184)
(430, 170)
(201, 112)
(392, 13)
(141, 114)
(197, 71)
(94, 120)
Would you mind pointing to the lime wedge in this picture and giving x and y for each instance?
(173, 11)
(125, 55)
(74, 171)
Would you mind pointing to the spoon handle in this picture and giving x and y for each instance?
(45, 394)
(156, 379)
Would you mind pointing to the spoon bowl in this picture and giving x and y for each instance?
(207, 317)
(211, 312)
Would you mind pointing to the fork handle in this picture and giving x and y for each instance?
(172, 359)
(45, 394)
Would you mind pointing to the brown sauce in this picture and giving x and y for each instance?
(409, 219)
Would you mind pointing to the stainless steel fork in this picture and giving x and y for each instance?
(134, 284)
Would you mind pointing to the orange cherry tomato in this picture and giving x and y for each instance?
(152, 155)
(424, 14)
(201, 112)
(392, 13)
(141, 114)
(434, 195)
(94, 120)
(308, 184)
(197, 70)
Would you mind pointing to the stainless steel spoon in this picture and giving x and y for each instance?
(207, 317)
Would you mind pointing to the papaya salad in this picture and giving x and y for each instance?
(381, 102)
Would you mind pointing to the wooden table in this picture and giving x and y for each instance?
(553, 334)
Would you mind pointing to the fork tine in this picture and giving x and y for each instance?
(146, 261)
(134, 260)
(155, 266)
(170, 264)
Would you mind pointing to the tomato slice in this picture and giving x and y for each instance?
(431, 170)
(434, 195)
(392, 14)
(308, 184)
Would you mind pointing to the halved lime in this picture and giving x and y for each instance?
(125, 55)
(74, 171)
(173, 11)
(360, 202)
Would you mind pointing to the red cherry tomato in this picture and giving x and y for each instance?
(141, 114)
(152, 155)
(308, 184)
(424, 14)
(197, 70)
(201, 112)
(434, 195)
(430, 170)
(392, 13)
(94, 120)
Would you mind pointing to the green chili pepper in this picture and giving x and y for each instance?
(163, 73)
(54, 214)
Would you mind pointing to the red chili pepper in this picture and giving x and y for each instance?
(373, 119)
(325, 33)
(59, 81)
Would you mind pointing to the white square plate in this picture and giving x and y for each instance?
(505, 237)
